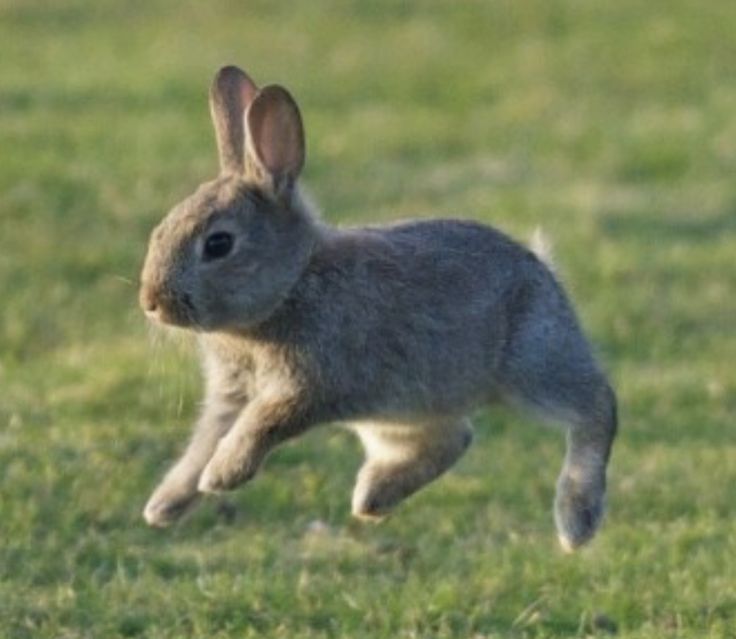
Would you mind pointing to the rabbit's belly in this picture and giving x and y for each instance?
(409, 394)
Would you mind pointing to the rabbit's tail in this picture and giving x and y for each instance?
(541, 245)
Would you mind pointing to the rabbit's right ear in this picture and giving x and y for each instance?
(275, 141)
(231, 94)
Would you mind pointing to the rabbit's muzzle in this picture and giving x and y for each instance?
(161, 306)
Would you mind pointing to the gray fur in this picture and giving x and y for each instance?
(400, 331)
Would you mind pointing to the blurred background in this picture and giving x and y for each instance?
(611, 125)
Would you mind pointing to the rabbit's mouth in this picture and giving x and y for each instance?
(163, 309)
(165, 316)
(168, 316)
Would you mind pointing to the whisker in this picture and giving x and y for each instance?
(124, 280)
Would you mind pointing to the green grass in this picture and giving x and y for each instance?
(612, 125)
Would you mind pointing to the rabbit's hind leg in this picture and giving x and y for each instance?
(589, 411)
(401, 458)
(548, 367)
(581, 487)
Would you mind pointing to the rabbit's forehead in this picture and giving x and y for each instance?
(185, 218)
(195, 212)
(222, 191)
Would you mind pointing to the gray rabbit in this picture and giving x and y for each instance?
(397, 331)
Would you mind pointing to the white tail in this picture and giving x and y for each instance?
(541, 245)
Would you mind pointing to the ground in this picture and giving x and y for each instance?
(611, 125)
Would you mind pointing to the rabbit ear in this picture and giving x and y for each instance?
(275, 147)
(231, 94)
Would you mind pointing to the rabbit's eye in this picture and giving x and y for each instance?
(217, 245)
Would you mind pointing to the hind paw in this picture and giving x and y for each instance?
(578, 512)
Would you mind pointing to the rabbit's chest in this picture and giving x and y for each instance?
(253, 368)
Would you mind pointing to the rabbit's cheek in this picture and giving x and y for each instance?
(174, 316)
(249, 269)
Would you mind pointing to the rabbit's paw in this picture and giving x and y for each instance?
(578, 511)
(168, 504)
(226, 471)
(375, 495)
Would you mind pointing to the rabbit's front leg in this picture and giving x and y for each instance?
(262, 425)
(177, 493)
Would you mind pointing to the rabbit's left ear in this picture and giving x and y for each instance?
(231, 94)
(274, 140)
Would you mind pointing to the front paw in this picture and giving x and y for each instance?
(166, 506)
(225, 472)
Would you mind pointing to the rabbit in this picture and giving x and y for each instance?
(398, 332)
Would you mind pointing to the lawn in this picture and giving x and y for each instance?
(611, 125)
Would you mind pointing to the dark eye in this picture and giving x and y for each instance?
(217, 245)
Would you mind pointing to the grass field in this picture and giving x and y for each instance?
(612, 125)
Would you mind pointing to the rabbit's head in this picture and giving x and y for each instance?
(226, 256)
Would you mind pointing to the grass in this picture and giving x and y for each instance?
(613, 125)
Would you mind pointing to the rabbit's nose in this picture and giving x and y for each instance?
(151, 308)
(149, 300)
